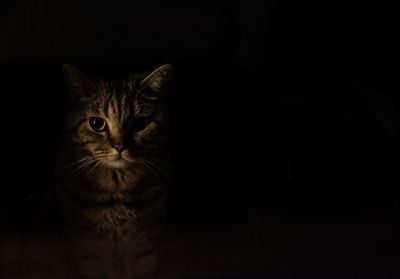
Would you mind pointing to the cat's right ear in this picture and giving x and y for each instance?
(77, 82)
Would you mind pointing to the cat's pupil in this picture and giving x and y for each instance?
(97, 124)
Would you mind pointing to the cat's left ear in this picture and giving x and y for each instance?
(156, 82)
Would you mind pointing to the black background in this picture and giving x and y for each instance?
(285, 123)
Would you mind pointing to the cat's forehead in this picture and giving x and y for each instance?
(116, 87)
(114, 99)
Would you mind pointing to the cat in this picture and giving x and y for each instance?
(113, 172)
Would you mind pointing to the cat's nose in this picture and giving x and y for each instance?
(119, 147)
(118, 144)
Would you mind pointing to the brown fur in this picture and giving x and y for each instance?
(115, 200)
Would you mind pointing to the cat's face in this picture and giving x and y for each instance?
(116, 124)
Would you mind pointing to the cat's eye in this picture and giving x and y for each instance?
(97, 124)
(139, 123)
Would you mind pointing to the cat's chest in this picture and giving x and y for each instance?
(114, 181)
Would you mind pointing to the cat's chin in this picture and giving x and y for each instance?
(117, 164)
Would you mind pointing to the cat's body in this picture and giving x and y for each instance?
(112, 170)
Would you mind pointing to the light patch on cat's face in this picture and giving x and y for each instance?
(119, 160)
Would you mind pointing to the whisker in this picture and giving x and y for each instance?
(144, 163)
(93, 168)
(161, 162)
(80, 168)
(79, 165)
(164, 172)
(77, 162)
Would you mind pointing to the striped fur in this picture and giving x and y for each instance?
(116, 197)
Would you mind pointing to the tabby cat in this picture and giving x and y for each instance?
(112, 172)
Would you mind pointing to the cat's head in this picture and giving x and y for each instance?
(116, 123)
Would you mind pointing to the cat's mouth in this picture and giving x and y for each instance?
(116, 160)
